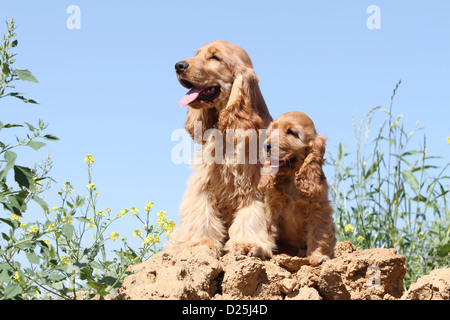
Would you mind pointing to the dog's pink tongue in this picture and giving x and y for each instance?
(189, 97)
(276, 164)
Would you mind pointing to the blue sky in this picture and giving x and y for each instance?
(109, 89)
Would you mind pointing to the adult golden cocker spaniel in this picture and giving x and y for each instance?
(297, 191)
(222, 207)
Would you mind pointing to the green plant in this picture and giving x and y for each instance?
(7, 74)
(393, 196)
(62, 255)
(66, 249)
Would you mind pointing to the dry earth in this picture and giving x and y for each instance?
(372, 274)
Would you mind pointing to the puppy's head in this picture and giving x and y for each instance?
(295, 149)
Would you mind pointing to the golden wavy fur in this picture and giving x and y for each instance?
(297, 193)
(222, 207)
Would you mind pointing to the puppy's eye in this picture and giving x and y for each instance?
(292, 133)
(215, 58)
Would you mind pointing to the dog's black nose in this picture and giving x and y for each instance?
(267, 147)
(180, 66)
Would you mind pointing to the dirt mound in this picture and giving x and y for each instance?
(198, 274)
(433, 286)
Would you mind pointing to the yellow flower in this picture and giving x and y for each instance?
(122, 213)
(65, 260)
(90, 186)
(33, 229)
(54, 208)
(15, 217)
(16, 276)
(147, 240)
(108, 210)
(448, 140)
(51, 226)
(137, 232)
(100, 213)
(161, 218)
(149, 206)
(47, 242)
(134, 210)
(67, 187)
(349, 228)
(91, 223)
(150, 238)
(360, 238)
(23, 224)
(114, 236)
(67, 219)
(89, 159)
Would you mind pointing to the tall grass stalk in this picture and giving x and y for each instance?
(388, 194)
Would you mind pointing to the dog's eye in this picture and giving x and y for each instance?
(292, 133)
(215, 58)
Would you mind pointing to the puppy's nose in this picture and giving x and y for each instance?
(180, 66)
(267, 147)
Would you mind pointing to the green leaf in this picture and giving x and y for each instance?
(68, 231)
(51, 137)
(26, 244)
(30, 126)
(341, 151)
(8, 125)
(36, 145)
(8, 222)
(24, 177)
(10, 158)
(33, 258)
(373, 168)
(83, 220)
(26, 75)
(41, 202)
(411, 180)
(18, 96)
(5, 69)
(16, 203)
(12, 290)
(419, 198)
(56, 277)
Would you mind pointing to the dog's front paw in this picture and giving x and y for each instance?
(317, 259)
(249, 249)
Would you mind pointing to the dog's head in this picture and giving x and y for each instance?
(223, 89)
(211, 73)
(296, 149)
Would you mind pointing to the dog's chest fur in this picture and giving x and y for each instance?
(289, 206)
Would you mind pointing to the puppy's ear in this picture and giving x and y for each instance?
(200, 120)
(246, 108)
(310, 179)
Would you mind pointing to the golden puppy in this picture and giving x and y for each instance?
(297, 190)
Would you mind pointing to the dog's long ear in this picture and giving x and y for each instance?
(310, 179)
(246, 108)
(202, 119)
